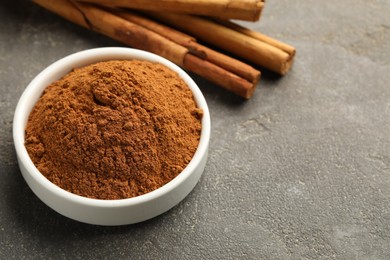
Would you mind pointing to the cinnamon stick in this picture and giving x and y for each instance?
(216, 74)
(259, 36)
(259, 52)
(107, 23)
(233, 65)
(249, 10)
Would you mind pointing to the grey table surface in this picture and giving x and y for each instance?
(300, 171)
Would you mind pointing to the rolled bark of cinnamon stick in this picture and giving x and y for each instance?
(259, 52)
(249, 10)
(107, 23)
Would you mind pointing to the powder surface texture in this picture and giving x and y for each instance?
(114, 129)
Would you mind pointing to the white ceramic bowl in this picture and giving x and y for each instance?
(106, 212)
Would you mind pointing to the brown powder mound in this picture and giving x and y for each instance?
(114, 130)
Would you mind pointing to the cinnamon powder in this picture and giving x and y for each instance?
(114, 130)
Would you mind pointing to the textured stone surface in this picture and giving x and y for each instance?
(301, 171)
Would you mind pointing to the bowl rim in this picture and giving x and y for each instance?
(91, 56)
